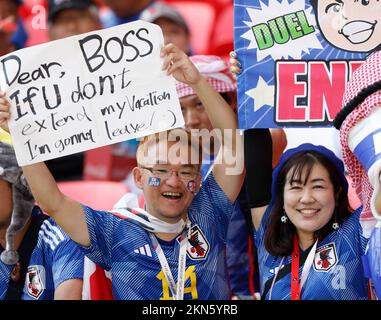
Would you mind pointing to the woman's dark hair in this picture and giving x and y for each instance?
(279, 236)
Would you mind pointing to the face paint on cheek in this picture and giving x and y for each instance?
(153, 182)
(192, 186)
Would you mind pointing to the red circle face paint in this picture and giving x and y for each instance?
(191, 186)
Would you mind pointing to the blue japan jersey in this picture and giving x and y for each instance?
(55, 259)
(126, 249)
(237, 254)
(337, 272)
(373, 259)
(237, 246)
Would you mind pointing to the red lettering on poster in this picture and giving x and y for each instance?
(311, 92)
(288, 90)
(325, 89)
(353, 65)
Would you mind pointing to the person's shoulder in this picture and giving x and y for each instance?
(210, 183)
(108, 18)
(91, 211)
(126, 224)
(350, 228)
(211, 199)
(208, 189)
(354, 217)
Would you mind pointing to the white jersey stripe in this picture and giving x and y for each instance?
(55, 229)
(49, 234)
(148, 249)
(47, 240)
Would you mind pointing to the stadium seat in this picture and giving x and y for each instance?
(223, 35)
(103, 164)
(200, 17)
(100, 195)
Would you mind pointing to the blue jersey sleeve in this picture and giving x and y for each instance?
(351, 228)
(259, 234)
(100, 225)
(372, 259)
(212, 203)
(67, 258)
(237, 254)
(55, 259)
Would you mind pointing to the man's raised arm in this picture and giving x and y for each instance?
(67, 212)
(229, 164)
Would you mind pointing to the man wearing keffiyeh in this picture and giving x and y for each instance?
(360, 135)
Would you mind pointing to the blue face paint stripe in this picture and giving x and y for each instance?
(154, 182)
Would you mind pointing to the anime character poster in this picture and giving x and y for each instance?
(297, 56)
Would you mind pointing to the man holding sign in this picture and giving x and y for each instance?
(183, 229)
(108, 87)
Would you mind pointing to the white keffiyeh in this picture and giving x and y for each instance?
(143, 218)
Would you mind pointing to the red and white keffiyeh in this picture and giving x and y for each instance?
(366, 75)
(215, 70)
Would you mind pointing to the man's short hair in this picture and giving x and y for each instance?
(172, 135)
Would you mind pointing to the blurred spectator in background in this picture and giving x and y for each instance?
(13, 36)
(72, 17)
(123, 11)
(216, 71)
(171, 22)
(68, 18)
(5, 137)
(12, 31)
(176, 31)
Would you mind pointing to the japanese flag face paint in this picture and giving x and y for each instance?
(154, 182)
(192, 186)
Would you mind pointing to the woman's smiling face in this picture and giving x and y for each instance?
(309, 202)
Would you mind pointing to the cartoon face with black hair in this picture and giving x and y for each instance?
(352, 25)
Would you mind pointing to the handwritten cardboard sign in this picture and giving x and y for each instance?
(297, 57)
(88, 91)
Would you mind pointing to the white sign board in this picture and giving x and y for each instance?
(88, 91)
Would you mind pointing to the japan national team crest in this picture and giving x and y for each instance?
(35, 281)
(325, 258)
(198, 246)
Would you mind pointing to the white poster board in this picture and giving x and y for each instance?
(88, 91)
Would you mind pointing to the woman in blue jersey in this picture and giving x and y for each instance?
(309, 240)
